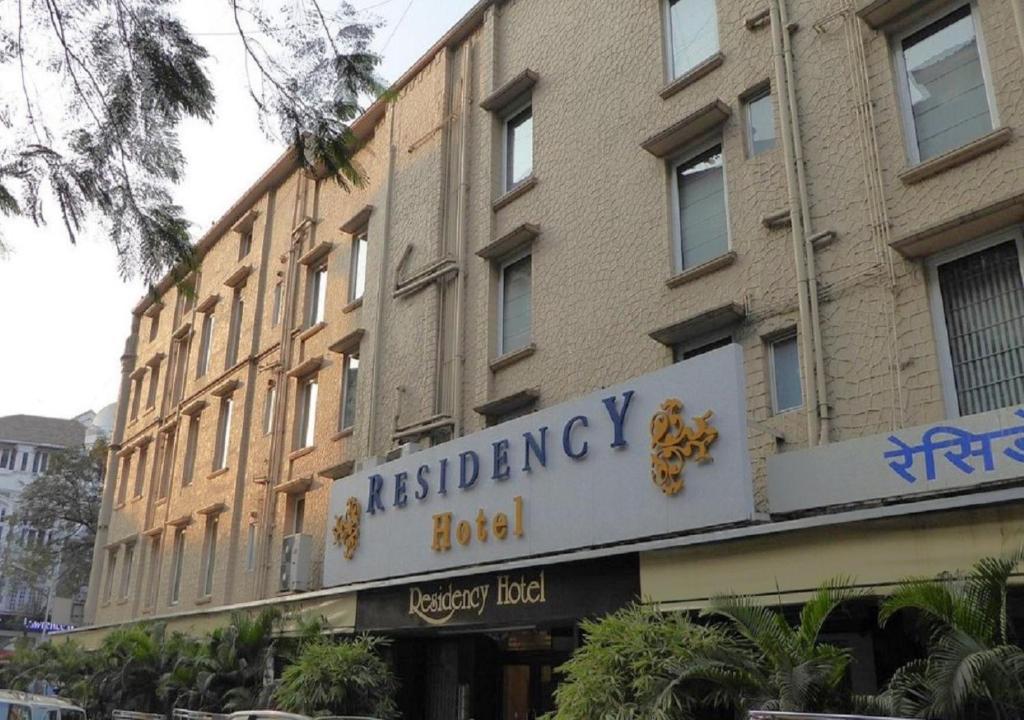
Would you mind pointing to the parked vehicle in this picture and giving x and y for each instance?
(16, 705)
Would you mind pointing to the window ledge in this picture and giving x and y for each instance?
(301, 452)
(217, 473)
(700, 271)
(930, 168)
(508, 93)
(205, 600)
(120, 506)
(312, 330)
(341, 434)
(518, 191)
(511, 358)
(693, 75)
(122, 601)
(352, 306)
(879, 14)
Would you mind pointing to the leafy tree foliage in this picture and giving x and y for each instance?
(99, 88)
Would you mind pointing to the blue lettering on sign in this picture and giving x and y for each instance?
(957, 446)
(502, 455)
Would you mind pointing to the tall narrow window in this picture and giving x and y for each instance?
(349, 388)
(205, 344)
(269, 403)
(943, 84)
(515, 302)
(244, 243)
(180, 353)
(177, 560)
(223, 447)
(298, 514)
(122, 488)
(153, 588)
(250, 547)
(40, 461)
(275, 318)
(126, 573)
(518, 147)
(154, 383)
(166, 464)
(703, 229)
(317, 294)
(982, 307)
(357, 275)
(140, 471)
(191, 448)
(154, 325)
(692, 33)
(209, 554)
(305, 434)
(784, 358)
(760, 123)
(136, 396)
(235, 326)
(108, 586)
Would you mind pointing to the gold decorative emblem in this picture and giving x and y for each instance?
(673, 442)
(346, 527)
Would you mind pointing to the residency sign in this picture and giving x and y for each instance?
(661, 454)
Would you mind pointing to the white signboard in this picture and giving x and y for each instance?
(661, 454)
(950, 455)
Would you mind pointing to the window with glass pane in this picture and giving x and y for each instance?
(760, 124)
(516, 281)
(983, 305)
(205, 345)
(307, 414)
(785, 365)
(167, 464)
(126, 574)
(245, 244)
(210, 556)
(945, 84)
(140, 473)
(693, 33)
(126, 469)
(518, 148)
(268, 409)
(154, 383)
(317, 294)
(177, 560)
(191, 447)
(220, 455)
(235, 327)
(154, 325)
(700, 192)
(278, 292)
(350, 384)
(154, 572)
(108, 588)
(357, 280)
(250, 547)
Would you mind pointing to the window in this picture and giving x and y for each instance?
(153, 588)
(154, 382)
(186, 298)
(191, 448)
(235, 327)
(518, 147)
(209, 554)
(278, 293)
(692, 348)
(306, 429)
(205, 344)
(978, 303)
(244, 243)
(942, 84)
(268, 409)
(24, 461)
(177, 560)
(126, 469)
(692, 34)
(699, 195)
(179, 354)
(784, 358)
(7, 457)
(298, 514)
(349, 388)
(108, 587)
(154, 325)
(317, 294)
(514, 290)
(140, 472)
(250, 547)
(126, 573)
(220, 454)
(760, 123)
(357, 281)
(136, 396)
(166, 464)
(40, 461)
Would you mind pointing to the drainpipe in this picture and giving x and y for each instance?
(378, 320)
(808, 229)
(799, 241)
(1018, 15)
(461, 244)
(110, 479)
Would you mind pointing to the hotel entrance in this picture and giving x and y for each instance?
(488, 647)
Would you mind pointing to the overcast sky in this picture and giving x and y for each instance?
(66, 312)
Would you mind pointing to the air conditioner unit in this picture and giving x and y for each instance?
(295, 563)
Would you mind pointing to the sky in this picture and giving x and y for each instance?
(64, 309)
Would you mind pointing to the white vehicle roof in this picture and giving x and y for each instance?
(266, 715)
(16, 696)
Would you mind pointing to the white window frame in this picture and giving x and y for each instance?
(126, 570)
(317, 294)
(684, 158)
(748, 101)
(792, 334)
(305, 426)
(222, 445)
(209, 561)
(269, 408)
(669, 49)
(139, 488)
(362, 235)
(188, 468)
(906, 106)
(250, 547)
(177, 565)
(206, 343)
(945, 357)
(345, 369)
(510, 260)
(108, 587)
(153, 591)
(275, 317)
(514, 110)
(237, 315)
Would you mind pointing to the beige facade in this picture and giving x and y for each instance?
(609, 297)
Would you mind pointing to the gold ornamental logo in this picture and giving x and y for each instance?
(346, 527)
(673, 443)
